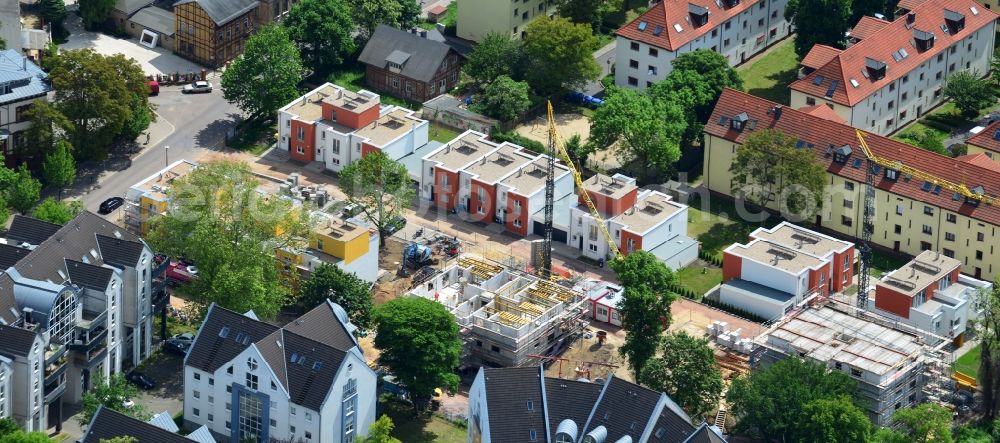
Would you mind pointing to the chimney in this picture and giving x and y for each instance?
(24, 63)
(911, 18)
(777, 112)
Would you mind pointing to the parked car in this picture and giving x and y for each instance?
(154, 87)
(109, 205)
(395, 224)
(181, 272)
(177, 347)
(142, 381)
(186, 338)
(197, 87)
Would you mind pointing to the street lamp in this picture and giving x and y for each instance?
(166, 156)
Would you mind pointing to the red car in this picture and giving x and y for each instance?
(181, 272)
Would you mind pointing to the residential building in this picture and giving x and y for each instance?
(895, 71)
(337, 127)
(350, 245)
(153, 26)
(505, 315)
(6, 386)
(986, 142)
(890, 362)
(781, 267)
(28, 390)
(85, 287)
(910, 216)
(123, 11)
(522, 404)
(21, 84)
(929, 294)
(604, 298)
(274, 10)
(244, 378)
(646, 47)
(214, 32)
(476, 18)
(148, 198)
(409, 65)
(108, 424)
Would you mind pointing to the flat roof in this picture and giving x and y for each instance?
(801, 239)
(825, 333)
(389, 126)
(498, 164)
(308, 106)
(529, 178)
(648, 212)
(157, 185)
(759, 289)
(462, 150)
(776, 255)
(614, 187)
(413, 161)
(353, 101)
(925, 269)
(340, 229)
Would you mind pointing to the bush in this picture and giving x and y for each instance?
(734, 310)
(518, 139)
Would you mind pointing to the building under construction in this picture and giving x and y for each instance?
(505, 316)
(892, 362)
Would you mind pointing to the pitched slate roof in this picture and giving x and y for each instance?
(625, 409)
(822, 133)
(9, 312)
(27, 79)
(880, 46)
(570, 400)
(421, 57)
(509, 391)
(819, 55)
(9, 255)
(129, 7)
(675, 424)
(216, 343)
(309, 380)
(88, 276)
(867, 26)
(988, 138)
(15, 341)
(706, 434)
(321, 324)
(665, 15)
(120, 251)
(108, 424)
(31, 230)
(223, 11)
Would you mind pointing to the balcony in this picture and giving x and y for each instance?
(54, 352)
(91, 357)
(55, 393)
(54, 370)
(91, 321)
(88, 341)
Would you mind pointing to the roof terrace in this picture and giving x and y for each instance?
(776, 255)
(801, 239)
(531, 177)
(615, 187)
(462, 151)
(389, 126)
(648, 213)
(498, 164)
(925, 269)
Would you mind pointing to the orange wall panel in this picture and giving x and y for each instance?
(732, 266)
(521, 216)
(892, 301)
(488, 202)
(308, 143)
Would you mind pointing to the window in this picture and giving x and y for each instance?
(926, 229)
(211, 399)
(531, 405)
(928, 210)
(810, 101)
(715, 32)
(980, 236)
(951, 218)
(846, 221)
(633, 64)
(848, 204)
(634, 46)
(309, 416)
(632, 81)
(494, 348)
(979, 255)
(274, 423)
(925, 246)
(309, 435)
(252, 381)
(760, 22)
(855, 372)
(653, 52)
(197, 376)
(948, 236)
(727, 25)
(211, 417)
(725, 42)
(592, 247)
(196, 412)
(892, 87)
(197, 394)
(532, 435)
(229, 370)
(848, 186)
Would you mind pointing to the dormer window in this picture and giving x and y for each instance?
(891, 174)
(739, 122)
(730, 3)
(699, 15)
(841, 154)
(977, 190)
(954, 20)
(875, 69)
(922, 40)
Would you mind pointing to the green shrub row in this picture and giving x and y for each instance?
(733, 310)
(709, 257)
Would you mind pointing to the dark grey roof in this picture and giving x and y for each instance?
(424, 55)
(9, 255)
(569, 399)
(310, 379)
(212, 349)
(675, 423)
(129, 7)
(155, 19)
(31, 230)
(26, 79)
(223, 11)
(509, 392)
(119, 251)
(108, 424)
(322, 325)
(88, 276)
(16, 341)
(9, 312)
(274, 355)
(704, 434)
(625, 409)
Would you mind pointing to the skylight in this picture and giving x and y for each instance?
(854, 82)
(678, 28)
(642, 26)
(974, 10)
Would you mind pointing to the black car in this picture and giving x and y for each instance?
(141, 380)
(176, 347)
(109, 205)
(395, 224)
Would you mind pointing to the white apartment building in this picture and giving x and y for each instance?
(646, 47)
(21, 84)
(23, 370)
(476, 18)
(896, 71)
(307, 381)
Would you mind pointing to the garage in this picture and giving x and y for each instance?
(558, 235)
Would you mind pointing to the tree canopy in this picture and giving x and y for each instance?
(328, 281)
(54, 12)
(218, 220)
(969, 92)
(834, 420)
(47, 126)
(987, 328)
(95, 12)
(588, 12)
(822, 22)
(925, 423)
(767, 406)
(59, 168)
(504, 99)
(496, 55)
(560, 54)
(368, 14)
(648, 131)
(380, 431)
(769, 168)
(322, 30)
(418, 341)
(645, 306)
(24, 193)
(926, 140)
(686, 370)
(380, 186)
(695, 84)
(111, 394)
(266, 76)
(54, 211)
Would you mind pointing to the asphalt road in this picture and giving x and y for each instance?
(199, 123)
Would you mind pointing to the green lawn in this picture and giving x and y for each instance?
(718, 227)
(423, 428)
(883, 262)
(441, 133)
(699, 278)
(968, 364)
(769, 76)
(352, 78)
(945, 120)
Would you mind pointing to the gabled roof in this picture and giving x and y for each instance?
(980, 160)
(10, 255)
(836, 79)
(818, 133)
(310, 378)
(216, 343)
(31, 230)
(625, 409)
(988, 138)
(509, 392)
(823, 111)
(867, 26)
(570, 400)
(120, 251)
(108, 424)
(659, 25)
(819, 55)
(129, 7)
(16, 342)
(26, 79)
(322, 325)
(88, 276)
(223, 11)
(706, 434)
(419, 57)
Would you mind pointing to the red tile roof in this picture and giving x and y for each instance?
(667, 14)
(988, 138)
(823, 133)
(867, 26)
(909, 5)
(981, 160)
(437, 10)
(819, 55)
(850, 63)
(823, 111)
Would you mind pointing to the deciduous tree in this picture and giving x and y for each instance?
(26, 437)
(322, 30)
(969, 92)
(559, 53)
(380, 186)
(925, 423)
(95, 12)
(418, 341)
(111, 394)
(645, 306)
(218, 220)
(350, 292)
(54, 12)
(686, 370)
(380, 432)
(694, 84)
(504, 99)
(59, 168)
(648, 131)
(926, 140)
(368, 14)
(266, 76)
(496, 55)
(588, 12)
(833, 420)
(47, 126)
(818, 22)
(987, 328)
(23, 194)
(57, 212)
(769, 168)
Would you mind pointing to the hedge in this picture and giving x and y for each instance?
(734, 310)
